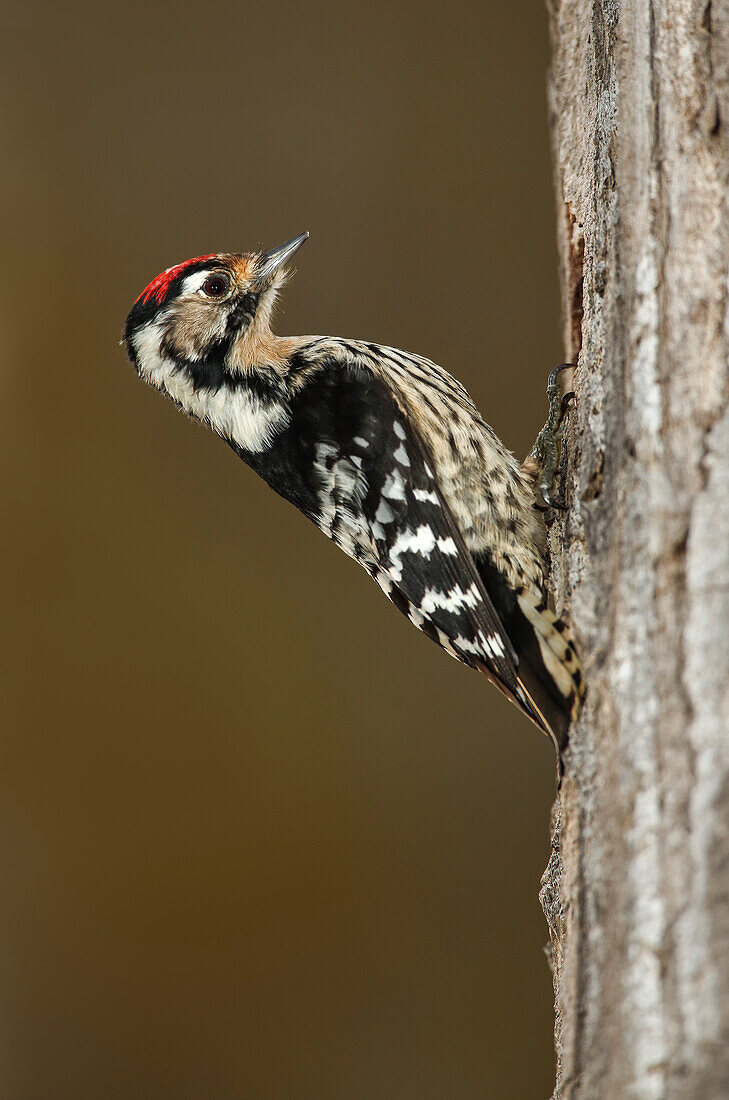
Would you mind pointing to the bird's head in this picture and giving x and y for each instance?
(208, 316)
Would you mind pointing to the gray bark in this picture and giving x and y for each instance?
(637, 890)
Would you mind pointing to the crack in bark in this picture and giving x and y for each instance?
(709, 117)
(576, 276)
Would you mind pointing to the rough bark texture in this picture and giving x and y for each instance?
(637, 890)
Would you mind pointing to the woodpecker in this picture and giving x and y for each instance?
(387, 454)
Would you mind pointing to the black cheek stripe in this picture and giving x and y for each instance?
(242, 315)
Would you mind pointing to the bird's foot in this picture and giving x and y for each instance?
(545, 451)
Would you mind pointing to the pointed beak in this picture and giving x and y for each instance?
(273, 261)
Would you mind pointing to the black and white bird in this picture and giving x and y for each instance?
(386, 453)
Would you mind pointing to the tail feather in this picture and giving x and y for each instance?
(556, 648)
(532, 700)
(549, 687)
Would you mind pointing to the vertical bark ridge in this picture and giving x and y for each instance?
(637, 888)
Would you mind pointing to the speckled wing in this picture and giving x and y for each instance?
(400, 527)
(425, 568)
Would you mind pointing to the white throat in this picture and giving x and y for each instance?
(233, 412)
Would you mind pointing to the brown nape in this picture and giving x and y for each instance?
(258, 346)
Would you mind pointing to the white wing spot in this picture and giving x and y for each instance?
(421, 541)
(447, 546)
(426, 496)
(361, 442)
(401, 456)
(399, 430)
(340, 497)
(384, 513)
(394, 486)
(493, 644)
(449, 601)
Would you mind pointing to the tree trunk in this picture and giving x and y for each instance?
(637, 890)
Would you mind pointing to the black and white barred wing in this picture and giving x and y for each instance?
(425, 568)
(382, 504)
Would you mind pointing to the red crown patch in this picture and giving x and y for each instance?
(158, 288)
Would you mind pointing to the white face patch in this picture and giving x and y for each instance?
(194, 282)
(233, 412)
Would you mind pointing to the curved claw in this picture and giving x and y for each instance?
(568, 402)
(556, 371)
(551, 501)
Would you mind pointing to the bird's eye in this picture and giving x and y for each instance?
(216, 286)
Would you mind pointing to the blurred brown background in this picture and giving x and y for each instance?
(260, 838)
